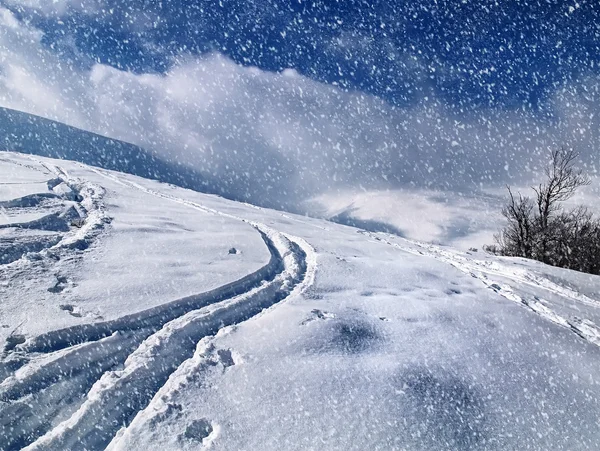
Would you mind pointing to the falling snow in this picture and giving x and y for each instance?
(259, 224)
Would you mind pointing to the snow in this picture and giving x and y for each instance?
(312, 335)
(155, 251)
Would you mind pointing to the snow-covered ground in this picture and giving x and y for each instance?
(139, 315)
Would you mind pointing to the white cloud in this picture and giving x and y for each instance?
(33, 79)
(272, 137)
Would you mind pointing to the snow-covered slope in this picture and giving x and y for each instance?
(139, 315)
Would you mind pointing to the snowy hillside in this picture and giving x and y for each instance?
(139, 315)
(28, 133)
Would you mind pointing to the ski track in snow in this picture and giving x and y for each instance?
(481, 270)
(206, 356)
(150, 345)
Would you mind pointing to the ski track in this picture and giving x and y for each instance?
(109, 371)
(481, 270)
(206, 356)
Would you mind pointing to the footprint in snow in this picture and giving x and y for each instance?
(13, 340)
(316, 314)
(226, 357)
(61, 284)
(70, 309)
(200, 430)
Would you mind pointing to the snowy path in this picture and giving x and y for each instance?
(150, 345)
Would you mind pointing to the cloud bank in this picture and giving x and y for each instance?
(278, 139)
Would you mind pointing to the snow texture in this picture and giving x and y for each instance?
(308, 335)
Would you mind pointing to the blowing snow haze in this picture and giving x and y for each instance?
(306, 105)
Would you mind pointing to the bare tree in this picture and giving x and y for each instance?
(517, 237)
(562, 180)
(543, 230)
(576, 243)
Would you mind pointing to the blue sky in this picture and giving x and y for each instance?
(473, 54)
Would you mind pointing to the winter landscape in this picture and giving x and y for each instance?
(218, 247)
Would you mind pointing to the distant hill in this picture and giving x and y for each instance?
(27, 133)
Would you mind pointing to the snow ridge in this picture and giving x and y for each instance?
(77, 226)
